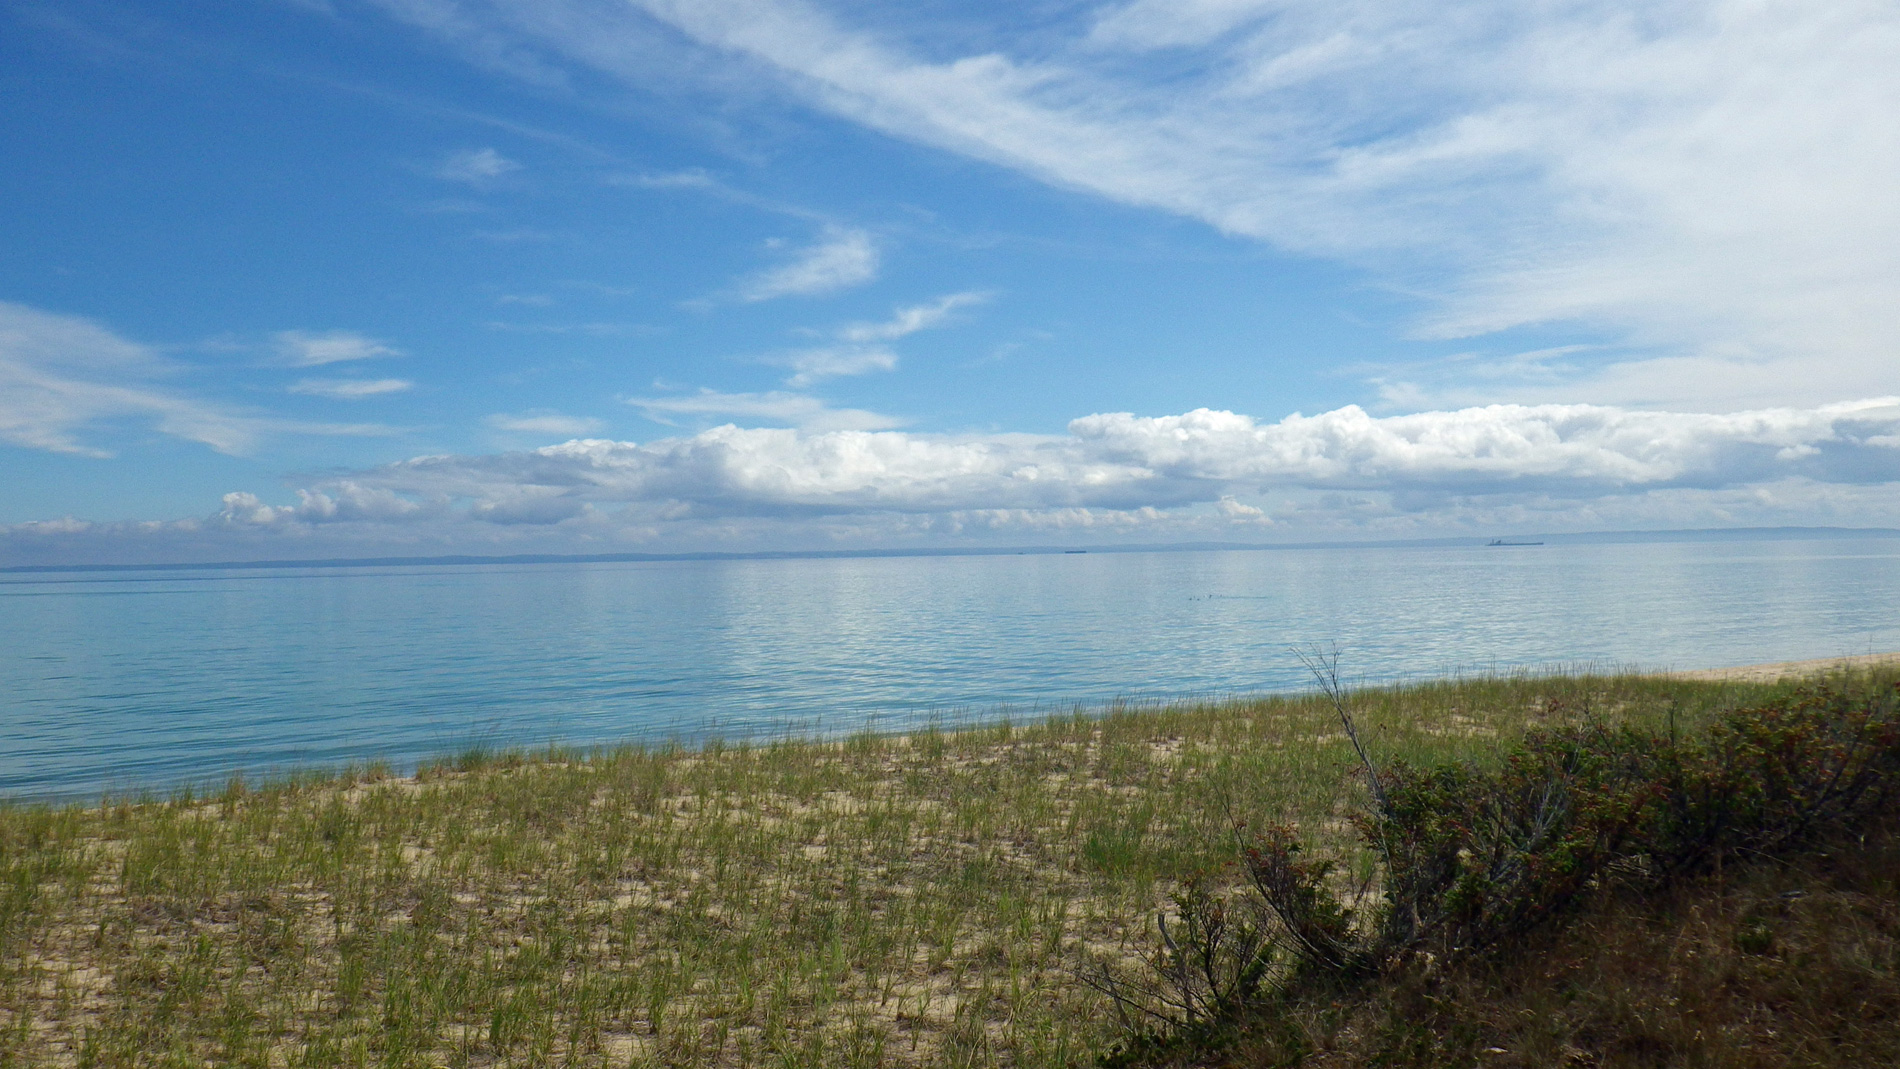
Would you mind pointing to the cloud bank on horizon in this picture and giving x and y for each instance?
(807, 274)
(1199, 474)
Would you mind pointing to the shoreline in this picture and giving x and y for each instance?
(633, 908)
(1777, 670)
(1766, 672)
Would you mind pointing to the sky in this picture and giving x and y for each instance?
(320, 278)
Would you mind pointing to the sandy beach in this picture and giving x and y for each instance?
(1768, 673)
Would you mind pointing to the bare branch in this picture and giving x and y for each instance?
(1324, 666)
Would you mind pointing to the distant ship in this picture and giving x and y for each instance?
(1502, 542)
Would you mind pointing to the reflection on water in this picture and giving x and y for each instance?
(152, 678)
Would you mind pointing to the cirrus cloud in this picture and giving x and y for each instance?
(1705, 183)
(842, 257)
(349, 389)
(303, 348)
(776, 406)
(545, 422)
(476, 167)
(862, 347)
(65, 381)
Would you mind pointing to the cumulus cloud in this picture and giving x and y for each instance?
(476, 167)
(1112, 477)
(543, 421)
(1576, 449)
(842, 257)
(1562, 465)
(340, 501)
(302, 348)
(1708, 182)
(349, 389)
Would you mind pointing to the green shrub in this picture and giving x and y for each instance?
(1471, 858)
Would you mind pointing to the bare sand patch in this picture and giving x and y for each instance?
(922, 903)
(1769, 673)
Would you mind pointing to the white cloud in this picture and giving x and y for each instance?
(860, 349)
(1344, 469)
(842, 257)
(1241, 512)
(542, 421)
(693, 179)
(798, 410)
(340, 501)
(61, 375)
(476, 167)
(1576, 449)
(1114, 476)
(349, 389)
(815, 365)
(909, 320)
(302, 348)
(1707, 181)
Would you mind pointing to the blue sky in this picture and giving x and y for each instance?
(313, 278)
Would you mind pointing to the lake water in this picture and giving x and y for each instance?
(125, 680)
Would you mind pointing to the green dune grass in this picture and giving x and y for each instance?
(910, 900)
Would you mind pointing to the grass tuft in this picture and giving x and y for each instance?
(927, 899)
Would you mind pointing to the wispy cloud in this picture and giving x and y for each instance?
(303, 348)
(909, 320)
(1708, 181)
(842, 257)
(62, 377)
(544, 421)
(695, 179)
(861, 347)
(793, 409)
(810, 366)
(475, 167)
(349, 389)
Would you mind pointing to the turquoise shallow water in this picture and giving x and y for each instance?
(148, 679)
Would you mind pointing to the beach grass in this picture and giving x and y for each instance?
(927, 899)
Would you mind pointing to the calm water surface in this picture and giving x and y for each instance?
(116, 681)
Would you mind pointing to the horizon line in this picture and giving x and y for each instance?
(1785, 533)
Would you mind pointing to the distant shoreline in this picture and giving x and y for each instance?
(1713, 534)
